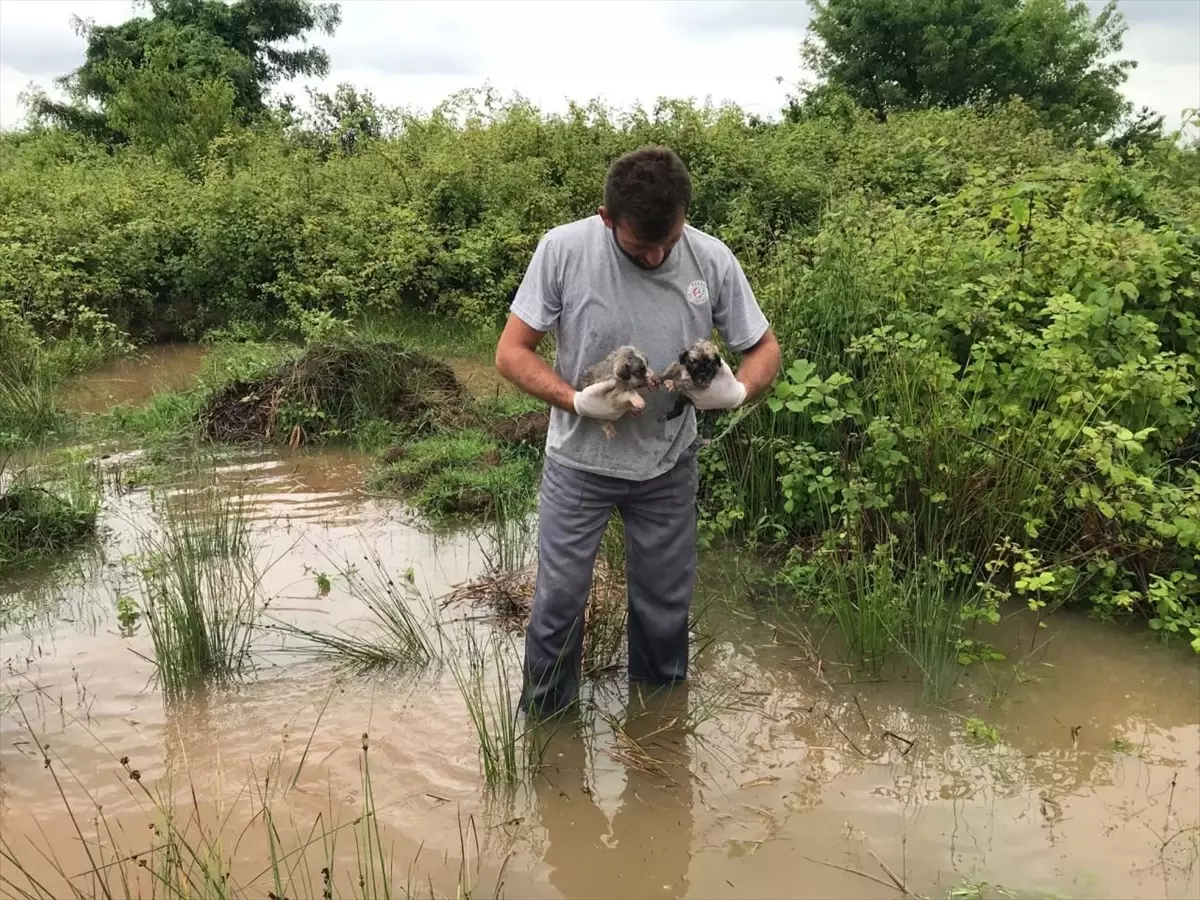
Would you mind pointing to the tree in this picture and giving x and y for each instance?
(903, 54)
(203, 56)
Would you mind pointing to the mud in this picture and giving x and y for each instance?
(798, 781)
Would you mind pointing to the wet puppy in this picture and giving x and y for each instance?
(696, 367)
(632, 372)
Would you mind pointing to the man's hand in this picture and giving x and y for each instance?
(724, 392)
(600, 401)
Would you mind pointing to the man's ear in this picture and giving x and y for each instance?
(608, 222)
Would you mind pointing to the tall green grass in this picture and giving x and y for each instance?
(46, 509)
(485, 680)
(201, 590)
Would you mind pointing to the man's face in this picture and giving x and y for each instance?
(647, 254)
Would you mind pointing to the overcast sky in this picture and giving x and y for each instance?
(415, 54)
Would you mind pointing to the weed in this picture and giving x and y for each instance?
(200, 590)
(397, 638)
(981, 731)
(45, 511)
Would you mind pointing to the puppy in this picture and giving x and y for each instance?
(632, 372)
(696, 367)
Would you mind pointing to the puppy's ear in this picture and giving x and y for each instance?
(683, 357)
(624, 372)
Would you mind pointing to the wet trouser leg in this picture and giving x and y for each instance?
(660, 572)
(573, 509)
(660, 548)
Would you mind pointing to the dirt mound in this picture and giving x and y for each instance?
(331, 388)
(527, 428)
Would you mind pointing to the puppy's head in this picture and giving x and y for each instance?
(632, 368)
(702, 362)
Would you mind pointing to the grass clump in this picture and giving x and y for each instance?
(397, 639)
(891, 607)
(460, 473)
(200, 591)
(42, 514)
(484, 679)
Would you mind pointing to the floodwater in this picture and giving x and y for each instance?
(799, 780)
(134, 379)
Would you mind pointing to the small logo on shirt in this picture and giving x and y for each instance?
(697, 292)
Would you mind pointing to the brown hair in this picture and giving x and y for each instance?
(648, 189)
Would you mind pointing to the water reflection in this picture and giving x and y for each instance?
(645, 851)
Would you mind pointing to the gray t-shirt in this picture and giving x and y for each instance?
(582, 287)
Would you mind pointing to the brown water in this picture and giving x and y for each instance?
(134, 379)
(786, 792)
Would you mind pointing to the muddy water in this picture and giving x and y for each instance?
(134, 379)
(795, 787)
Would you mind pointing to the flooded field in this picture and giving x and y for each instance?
(132, 380)
(776, 774)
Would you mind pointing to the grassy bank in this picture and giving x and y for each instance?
(45, 510)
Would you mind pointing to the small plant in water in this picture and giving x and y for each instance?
(981, 731)
(127, 612)
(1120, 745)
(398, 638)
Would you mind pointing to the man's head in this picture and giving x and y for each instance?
(646, 198)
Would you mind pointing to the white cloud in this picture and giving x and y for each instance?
(415, 54)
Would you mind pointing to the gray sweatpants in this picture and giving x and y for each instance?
(660, 568)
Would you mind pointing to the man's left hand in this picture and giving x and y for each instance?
(724, 392)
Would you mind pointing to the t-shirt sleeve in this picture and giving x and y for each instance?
(736, 312)
(538, 301)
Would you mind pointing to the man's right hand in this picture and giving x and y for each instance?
(600, 401)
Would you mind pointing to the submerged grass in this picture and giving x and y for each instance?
(396, 639)
(200, 590)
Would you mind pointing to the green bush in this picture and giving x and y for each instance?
(1007, 373)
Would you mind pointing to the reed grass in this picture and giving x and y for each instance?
(485, 679)
(200, 590)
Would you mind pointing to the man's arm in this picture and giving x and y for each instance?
(517, 360)
(760, 366)
(740, 321)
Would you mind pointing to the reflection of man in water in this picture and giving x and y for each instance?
(646, 851)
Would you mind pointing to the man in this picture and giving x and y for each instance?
(636, 273)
